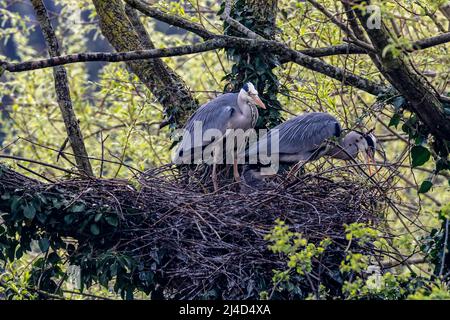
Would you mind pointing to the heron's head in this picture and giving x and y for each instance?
(249, 94)
(366, 143)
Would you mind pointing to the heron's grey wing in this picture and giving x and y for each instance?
(303, 133)
(213, 115)
(307, 132)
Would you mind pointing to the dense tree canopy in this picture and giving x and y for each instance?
(95, 88)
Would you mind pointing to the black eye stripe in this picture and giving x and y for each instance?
(370, 142)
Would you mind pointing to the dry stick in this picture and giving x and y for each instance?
(132, 169)
(35, 173)
(6, 156)
(63, 92)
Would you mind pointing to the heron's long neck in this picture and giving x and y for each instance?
(338, 152)
(245, 108)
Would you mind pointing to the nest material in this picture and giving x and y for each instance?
(213, 244)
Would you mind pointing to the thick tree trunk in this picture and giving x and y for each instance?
(126, 35)
(63, 92)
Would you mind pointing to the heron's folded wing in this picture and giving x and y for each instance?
(213, 115)
(303, 133)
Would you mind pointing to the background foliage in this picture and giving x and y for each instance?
(120, 121)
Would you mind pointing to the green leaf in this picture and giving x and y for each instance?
(395, 120)
(98, 216)
(425, 186)
(70, 218)
(15, 202)
(94, 229)
(398, 102)
(77, 208)
(112, 220)
(44, 244)
(6, 196)
(29, 211)
(419, 155)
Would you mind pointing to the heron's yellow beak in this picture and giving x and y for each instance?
(370, 159)
(259, 102)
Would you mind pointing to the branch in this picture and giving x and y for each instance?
(431, 42)
(167, 86)
(342, 26)
(316, 52)
(146, 9)
(63, 92)
(219, 42)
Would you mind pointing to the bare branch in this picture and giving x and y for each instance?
(219, 42)
(170, 19)
(431, 42)
(343, 27)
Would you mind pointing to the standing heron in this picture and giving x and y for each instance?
(227, 111)
(308, 137)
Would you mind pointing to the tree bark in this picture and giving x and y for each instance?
(63, 92)
(222, 42)
(163, 82)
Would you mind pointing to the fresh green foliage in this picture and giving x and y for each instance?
(119, 118)
(362, 276)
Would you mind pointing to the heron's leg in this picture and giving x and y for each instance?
(216, 154)
(214, 177)
(236, 175)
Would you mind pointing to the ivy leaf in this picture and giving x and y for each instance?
(395, 120)
(398, 102)
(419, 155)
(95, 230)
(425, 186)
(77, 208)
(15, 202)
(113, 221)
(98, 216)
(69, 219)
(44, 244)
(29, 211)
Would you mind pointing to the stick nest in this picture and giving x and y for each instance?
(211, 245)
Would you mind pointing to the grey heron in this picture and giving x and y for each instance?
(308, 137)
(227, 111)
